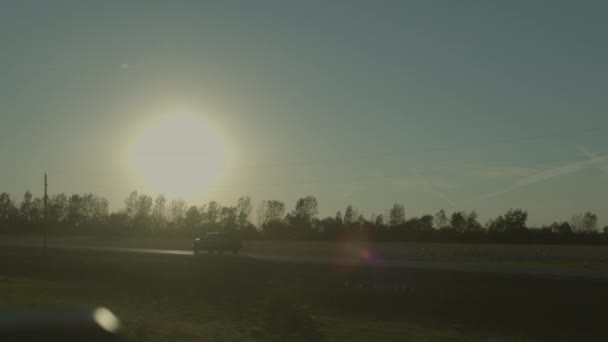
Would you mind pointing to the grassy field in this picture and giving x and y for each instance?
(565, 256)
(164, 319)
(215, 298)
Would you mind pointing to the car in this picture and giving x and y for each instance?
(219, 242)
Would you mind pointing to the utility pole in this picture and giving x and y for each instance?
(46, 217)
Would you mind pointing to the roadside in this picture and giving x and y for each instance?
(261, 250)
(162, 298)
(574, 256)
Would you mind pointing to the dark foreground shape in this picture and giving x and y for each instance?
(98, 325)
(219, 242)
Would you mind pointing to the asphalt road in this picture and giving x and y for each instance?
(537, 271)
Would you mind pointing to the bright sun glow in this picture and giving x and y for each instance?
(178, 156)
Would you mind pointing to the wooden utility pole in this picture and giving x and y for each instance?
(46, 217)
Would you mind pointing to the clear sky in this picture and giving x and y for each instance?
(427, 103)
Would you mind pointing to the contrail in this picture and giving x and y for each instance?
(433, 189)
(546, 175)
(591, 155)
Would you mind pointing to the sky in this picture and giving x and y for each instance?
(460, 105)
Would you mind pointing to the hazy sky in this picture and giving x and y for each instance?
(427, 103)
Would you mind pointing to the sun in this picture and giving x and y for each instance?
(179, 155)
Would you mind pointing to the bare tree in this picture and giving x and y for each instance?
(396, 215)
(177, 211)
(275, 211)
(261, 213)
(584, 223)
(243, 208)
(159, 211)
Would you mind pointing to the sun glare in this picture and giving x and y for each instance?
(178, 156)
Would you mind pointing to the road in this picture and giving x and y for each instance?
(537, 271)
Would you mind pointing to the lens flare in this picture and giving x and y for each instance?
(365, 254)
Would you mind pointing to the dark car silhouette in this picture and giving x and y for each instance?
(212, 242)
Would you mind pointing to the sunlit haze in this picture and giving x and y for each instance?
(178, 155)
(460, 105)
(303, 170)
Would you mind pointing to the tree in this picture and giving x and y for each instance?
(349, 215)
(8, 212)
(117, 222)
(143, 210)
(472, 224)
(213, 212)
(25, 209)
(76, 213)
(275, 211)
(329, 227)
(515, 219)
(192, 218)
(131, 204)
(91, 211)
(159, 212)
(426, 222)
(261, 213)
(37, 210)
(177, 212)
(338, 218)
(441, 219)
(138, 209)
(306, 209)
(243, 208)
(228, 218)
(496, 225)
(380, 220)
(458, 221)
(585, 223)
(361, 219)
(396, 215)
(98, 207)
(301, 219)
(5, 204)
(58, 208)
(86, 210)
(560, 227)
(273, 225)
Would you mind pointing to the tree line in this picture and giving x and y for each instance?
(89, 214)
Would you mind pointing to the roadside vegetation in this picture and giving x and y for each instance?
(214, 298)
(143, 215)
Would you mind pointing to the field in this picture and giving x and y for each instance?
(563, 256)
(220, 298)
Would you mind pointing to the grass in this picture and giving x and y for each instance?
(143, 318)
(161, 319)
(369, 330)
(560, 256)
(215, 298)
